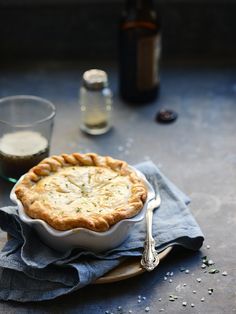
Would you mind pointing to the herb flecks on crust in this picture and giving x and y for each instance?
(81, 190)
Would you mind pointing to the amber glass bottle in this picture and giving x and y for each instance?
(139, 52)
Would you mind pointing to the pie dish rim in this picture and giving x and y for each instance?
(82, 237)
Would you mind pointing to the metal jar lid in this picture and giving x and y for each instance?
(95, 79)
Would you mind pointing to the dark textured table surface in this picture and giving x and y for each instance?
(197, 152)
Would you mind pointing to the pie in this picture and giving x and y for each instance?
(81, 190)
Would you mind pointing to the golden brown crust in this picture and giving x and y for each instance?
(31, 189)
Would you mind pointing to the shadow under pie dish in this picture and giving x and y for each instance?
(82, 200)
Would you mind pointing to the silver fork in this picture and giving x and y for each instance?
(150, 258)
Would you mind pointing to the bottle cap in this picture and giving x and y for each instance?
(166, 115)
(95, 79)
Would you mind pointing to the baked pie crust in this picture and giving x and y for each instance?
(81, 190)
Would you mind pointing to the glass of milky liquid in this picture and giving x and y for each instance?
(26, 124)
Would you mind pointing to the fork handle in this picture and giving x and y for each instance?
(150, 258)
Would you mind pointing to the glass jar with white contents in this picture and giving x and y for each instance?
(95, 103)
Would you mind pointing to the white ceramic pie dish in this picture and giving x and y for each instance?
(81, 237)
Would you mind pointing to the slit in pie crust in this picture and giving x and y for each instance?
(81, 190)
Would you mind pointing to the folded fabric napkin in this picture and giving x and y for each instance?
(31, 271)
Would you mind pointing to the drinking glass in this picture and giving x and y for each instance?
(26, 124)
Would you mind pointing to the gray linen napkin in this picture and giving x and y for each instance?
(31, 271)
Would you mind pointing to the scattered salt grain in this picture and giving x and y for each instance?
(168, 273)
(161, 310)
(203, 266)
(210, 262)
(147, 309)
(186, 271)
(175, 297)
(208, 247)
(165, 278)
(224, 273)
(139, 301)
(199, 279)
(213, 271)
(182, 269)
(130, 311)
(184, 284)
(139, 297)
(170, 280)
(144, 298)
(184, 303)
(119, 308)
(192, 304)
(194, 291)
(159, 299)
(171, 274)
(202, 299)
(210, 291)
